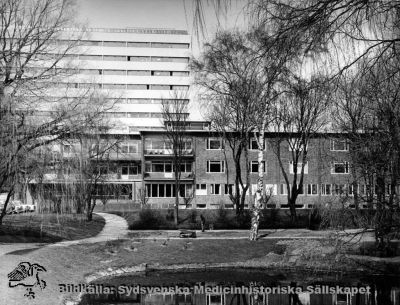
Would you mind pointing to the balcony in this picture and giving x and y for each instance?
(167, 176)
(166, 152)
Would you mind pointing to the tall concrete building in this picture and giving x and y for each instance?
(137, 68)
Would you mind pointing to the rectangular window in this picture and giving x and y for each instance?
(139, 72)
(180, 73)
(114, 72)
(215, 189)
(160, 73)
(339, 145)
(214, 144)
(179, 87)
(169, 45)
(215, 166)
(129, 148)
(114, 58)
(160, 87)
(86, 43)
(201, 189)
(139, 44)
(170, 59)
(253, 144)
(340, 189)
(326, 189)
(137, 87)
(271, 189)
(254, 166)
(169, 190)
(186, 167)
(114, 86)
(283, 189)
(299, 165)
(114, 44)
(312, 189)
(161, 190)
(130, 170)
(90, 71)
(229, 189)
(139, 58)
(340, 168)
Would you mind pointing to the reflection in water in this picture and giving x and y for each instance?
(206, 288)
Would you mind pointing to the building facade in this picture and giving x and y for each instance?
(142, 168)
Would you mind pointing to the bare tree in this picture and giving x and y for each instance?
(88, 166)
(300, 114)
(175, 113)
(225, 71)
(367, 110)
(343, 31)
(35, 53)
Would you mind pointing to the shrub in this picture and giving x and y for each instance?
(148, 219)
(192, 216)
(170, 215)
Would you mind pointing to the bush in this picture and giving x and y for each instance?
(148, 219)
(170, 215)
(222, 214)
(192, 216)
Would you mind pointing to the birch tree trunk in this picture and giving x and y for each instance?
(255, 217)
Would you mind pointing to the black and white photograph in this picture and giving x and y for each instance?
(200, 152)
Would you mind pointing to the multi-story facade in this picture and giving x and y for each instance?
(143, 164)
(135, 68)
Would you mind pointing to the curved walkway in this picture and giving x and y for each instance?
(115, 227)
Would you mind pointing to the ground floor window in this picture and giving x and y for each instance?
(312, 189)
(167, 190)
(215, 189)
(326, 189)
(201, 189)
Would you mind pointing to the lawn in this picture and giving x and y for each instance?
(34, 227)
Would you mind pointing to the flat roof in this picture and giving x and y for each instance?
(132, 30)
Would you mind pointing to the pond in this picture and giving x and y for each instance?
(245, 287)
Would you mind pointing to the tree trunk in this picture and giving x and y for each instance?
(255, 218)
(292, 208)
(3, 212)
(176, 218)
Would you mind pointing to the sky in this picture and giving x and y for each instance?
(177, 14)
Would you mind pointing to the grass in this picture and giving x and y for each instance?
(45, 228)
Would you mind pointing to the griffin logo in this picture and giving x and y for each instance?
(27, 275)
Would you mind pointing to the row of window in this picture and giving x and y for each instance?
(130, 72)
(121, 115)
(158, 144)
(272, 189)
(166, 167)
(167, 190)
(217, 144)
(184, 60)
(131, 44)
(121, 86)
(336, 167)
(115, 100)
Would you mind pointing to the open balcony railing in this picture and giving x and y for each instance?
(168, 152)
(170, 175)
